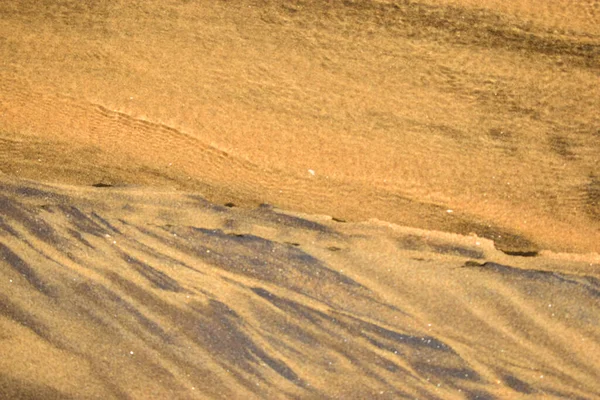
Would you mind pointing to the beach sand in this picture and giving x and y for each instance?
(299, 199)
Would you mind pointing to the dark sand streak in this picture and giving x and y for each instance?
(230, 313)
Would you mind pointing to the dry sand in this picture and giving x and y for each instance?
(299, 199)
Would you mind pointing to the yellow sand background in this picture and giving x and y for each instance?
(299, 199)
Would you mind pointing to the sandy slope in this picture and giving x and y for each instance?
(145, 294)
(423, 142)
(402, 110)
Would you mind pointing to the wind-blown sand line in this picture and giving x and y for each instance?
(169, 155)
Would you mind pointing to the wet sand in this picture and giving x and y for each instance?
(299, 199)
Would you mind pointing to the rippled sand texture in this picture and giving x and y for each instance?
(402, 110)
(299, 199)
(133, 293)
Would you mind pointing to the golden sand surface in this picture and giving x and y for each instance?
(299, 199)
